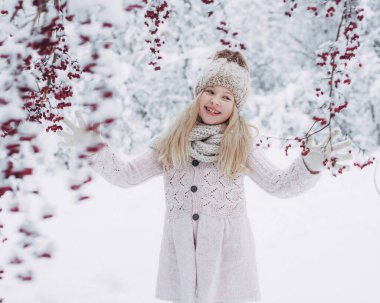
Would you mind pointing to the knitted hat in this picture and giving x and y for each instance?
(228, 74)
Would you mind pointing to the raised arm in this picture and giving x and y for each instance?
(105, 162)
(126, 173)
(283, 183)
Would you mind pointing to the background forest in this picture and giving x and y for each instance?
(130, 67)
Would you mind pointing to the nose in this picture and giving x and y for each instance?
(215, 101)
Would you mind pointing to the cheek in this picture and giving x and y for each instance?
(202, 101)
(229, 109)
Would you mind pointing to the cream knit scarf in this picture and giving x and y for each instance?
(204, 141)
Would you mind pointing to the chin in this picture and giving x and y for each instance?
(211, 121)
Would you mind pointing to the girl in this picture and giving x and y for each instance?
(207, 250)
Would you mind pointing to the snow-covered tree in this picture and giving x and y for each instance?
(130, 67)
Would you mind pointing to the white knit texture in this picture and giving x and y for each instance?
(211, 258)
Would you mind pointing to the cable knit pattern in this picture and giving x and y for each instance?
(216, 195)
(207, 252)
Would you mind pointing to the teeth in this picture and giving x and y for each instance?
(213, 111)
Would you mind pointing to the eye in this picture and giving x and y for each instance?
(209, 91)
(228, 98)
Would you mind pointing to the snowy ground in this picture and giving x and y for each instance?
(323, 246)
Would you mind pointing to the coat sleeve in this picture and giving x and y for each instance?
(283, 183)
(125, 173)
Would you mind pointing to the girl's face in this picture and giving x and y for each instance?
(216, 104)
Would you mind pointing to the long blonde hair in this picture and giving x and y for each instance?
(236, 142)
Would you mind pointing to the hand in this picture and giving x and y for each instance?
(317, 154)
(80, 135)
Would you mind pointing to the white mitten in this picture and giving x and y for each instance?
(318, 153)
(80, 136)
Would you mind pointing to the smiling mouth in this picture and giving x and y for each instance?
(212, 111)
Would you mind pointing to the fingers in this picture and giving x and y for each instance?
(69, 123)
(342, 157)
(62, 144)
(80, 119)
(313, 147)
(334, 133)
(311, 143)
(64, 134)
(341, 145)
(65, 144)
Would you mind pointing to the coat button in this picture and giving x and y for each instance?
(195, 162)
(195, 217)
(194, 188)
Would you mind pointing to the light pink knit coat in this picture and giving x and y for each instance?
(207, 258)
